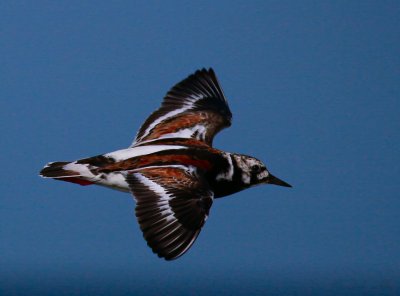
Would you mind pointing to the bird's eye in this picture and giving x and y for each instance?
(256, 168)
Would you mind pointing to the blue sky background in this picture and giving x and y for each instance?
(314, 90)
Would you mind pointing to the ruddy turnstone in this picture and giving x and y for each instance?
(171, 168)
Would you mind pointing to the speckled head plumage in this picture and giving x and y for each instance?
(254, 172)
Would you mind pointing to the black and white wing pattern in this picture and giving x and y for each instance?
(172, 204)
(194, 108)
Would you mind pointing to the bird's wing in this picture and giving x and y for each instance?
(172, 204)
(194, 108)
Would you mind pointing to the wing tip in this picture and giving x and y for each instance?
(205, 71)
(178, 252)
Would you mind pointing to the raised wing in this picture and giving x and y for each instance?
(172, 204)
(194, 108)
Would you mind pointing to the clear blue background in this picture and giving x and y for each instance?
(314, 89)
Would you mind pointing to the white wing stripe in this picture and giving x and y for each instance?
(139, 151)
(187, 132)
(187, 105)
(159, 119)
(160, 191)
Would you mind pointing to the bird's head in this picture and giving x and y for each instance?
(254, 172)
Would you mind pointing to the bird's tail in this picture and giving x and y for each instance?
(67, 171)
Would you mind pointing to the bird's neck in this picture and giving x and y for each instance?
(228, 176)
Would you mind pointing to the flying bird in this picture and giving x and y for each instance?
(171, 168)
